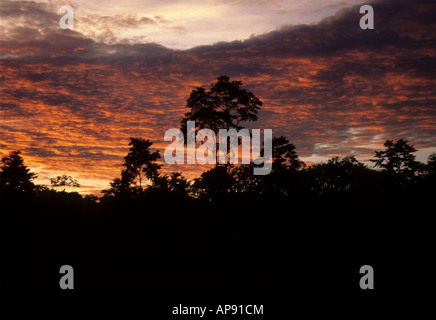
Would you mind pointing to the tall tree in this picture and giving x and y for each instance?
(14, 175)
(141, 160)
(226, 105)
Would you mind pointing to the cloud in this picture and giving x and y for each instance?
(71, 103)
(199, 21)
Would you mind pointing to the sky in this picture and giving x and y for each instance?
(70, 99)
(181, 24)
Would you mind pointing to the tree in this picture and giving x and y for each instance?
(214, 184)
(244, 180)
(115, 188)
(284, 155)
(177, 183)
(339, 175)
(14, 175)
(64, 182)
(140, 160)
(226, 105)
(285, 164)
(91, 198)
(431, 164)
(174, 183)
(283, 177)
(397, 159)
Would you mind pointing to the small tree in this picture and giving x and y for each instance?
(397, 159)
(64, 183)
(14, 175)
(284, 154)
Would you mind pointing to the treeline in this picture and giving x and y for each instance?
(222, 230)
(394, 167)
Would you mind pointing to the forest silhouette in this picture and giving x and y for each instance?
(299, 228)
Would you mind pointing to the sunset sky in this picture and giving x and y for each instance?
(70, 99)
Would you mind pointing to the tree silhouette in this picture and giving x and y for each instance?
(64, 182)
(141, 160)
(282, 179)
(284, 155)
(214, 184)
(138, 162)
(397, 159)
(14, 175)
(226, 105)
(243, 178)
(338, 175)
(178, 183)
(431, 164)
(115, 188)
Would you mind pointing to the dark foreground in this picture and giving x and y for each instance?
(166, 243)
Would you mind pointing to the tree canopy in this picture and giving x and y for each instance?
(397, 158)
(14, 175)
(226, 105)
